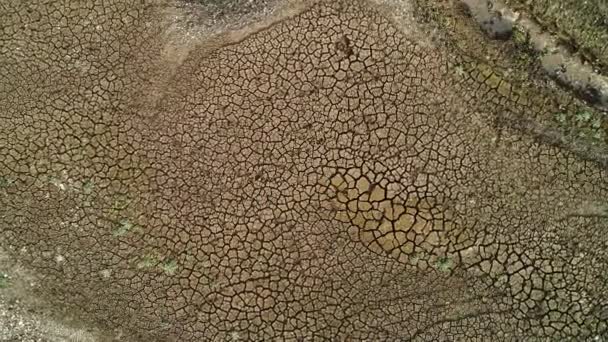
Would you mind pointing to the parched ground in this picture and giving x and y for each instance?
(332, 170)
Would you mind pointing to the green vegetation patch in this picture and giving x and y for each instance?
(6, 181)
(87, 186)
(153, 261)
(124, 226)
(583, 123)
(4, 280)
(444, 264)
(58, 183)
(169, 266)
(148, 261)
(521, 37)
(121, 202)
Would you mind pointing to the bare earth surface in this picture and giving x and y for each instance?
(331, 170)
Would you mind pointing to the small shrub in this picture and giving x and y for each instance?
(5, 182)
(561, 117)
(147, 261)
(169, 266)
(583, 116)
(87, 187)
(124, 226)
(444, 264)
(4, 280)
(121, 203)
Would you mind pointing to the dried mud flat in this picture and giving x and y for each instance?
(328, 170)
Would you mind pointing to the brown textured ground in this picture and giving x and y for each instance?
(334, 172)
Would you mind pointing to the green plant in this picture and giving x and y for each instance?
(6, 181)
(521, 37)
(459, 70)
(87, 186)
(414, 258)
(235, 336)
(147, 261)
(169, 266)
(58, 183)
(444, 264)
(124, 226)
(598, 135)
(583, 116)
(4, 280)
(561, 117)
(121, 202)
(583, 123)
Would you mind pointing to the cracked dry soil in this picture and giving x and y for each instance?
(327, 173)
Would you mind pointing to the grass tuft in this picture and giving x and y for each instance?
(169, 266)
(4, 280)
(124, 226)
(147, 262)
(444, 264)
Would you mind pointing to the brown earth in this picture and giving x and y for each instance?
(336, 170)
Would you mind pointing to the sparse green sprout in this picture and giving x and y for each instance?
(124, 226)
(597, 123)
(4, 280)
(583, 116)
(561, 117)
(148, 261)
(105, 273)
(459, 70)
(87, 187)
(121, 203)
(6, 181)
(598, 135)
(546, 50)
(169, 266)
(216, 285)
(520, 37)
(414, 258)
(235, 336)
(57, 183)
(444, 264)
